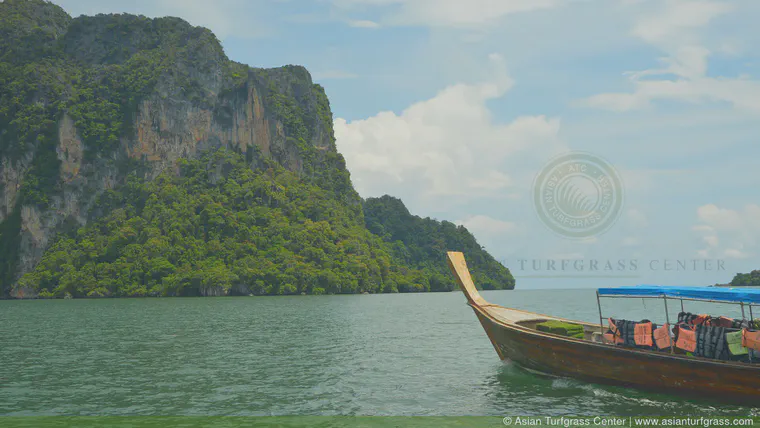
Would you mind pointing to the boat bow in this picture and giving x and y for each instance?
(459, 268)
(500, 314)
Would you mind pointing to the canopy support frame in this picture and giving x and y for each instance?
(667, 322)
(601, 318)
(667, 315)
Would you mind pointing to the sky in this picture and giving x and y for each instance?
(456, 107)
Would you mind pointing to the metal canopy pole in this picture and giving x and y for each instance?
(682, 306)
(601, 319)
(751, 322)
(667, 322)
(749, 327)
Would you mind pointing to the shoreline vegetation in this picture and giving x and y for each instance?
(137, 160)
(67, 296)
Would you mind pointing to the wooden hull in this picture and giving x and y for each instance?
(513, 337)
(662, 372)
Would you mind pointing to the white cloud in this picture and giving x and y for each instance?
(729, 233)
(449, 13)
(742, 93)
(736, 254)
(448, 145)
(731, 47)
(674, 23)
(722, 219)
(674, 30)
(363, 24)
(711, 240)
(702, 228)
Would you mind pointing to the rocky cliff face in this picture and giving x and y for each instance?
(114, 95)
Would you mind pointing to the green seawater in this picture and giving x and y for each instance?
(358, 355)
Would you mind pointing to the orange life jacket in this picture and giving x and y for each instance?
(612, 326)
(723, 322)
(700, 319)
(662, 337)
(615, 337)
(642, 334)
(687, 339)
(751, 339)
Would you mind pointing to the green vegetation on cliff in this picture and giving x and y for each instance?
(220, 228)
(258, 200)
(422, 244)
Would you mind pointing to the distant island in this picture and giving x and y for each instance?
(136, 159)
(751, 279)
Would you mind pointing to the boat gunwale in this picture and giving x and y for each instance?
(642, 352)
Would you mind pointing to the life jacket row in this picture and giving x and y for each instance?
(709, 341)
(718, 342)
(643, 334)
(721, 321)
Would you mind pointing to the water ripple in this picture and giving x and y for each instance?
(422, 354)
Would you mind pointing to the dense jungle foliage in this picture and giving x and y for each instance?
(220, 227)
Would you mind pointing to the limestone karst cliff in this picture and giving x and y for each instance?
(91, 104)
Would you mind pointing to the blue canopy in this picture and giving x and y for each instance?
(722, 294)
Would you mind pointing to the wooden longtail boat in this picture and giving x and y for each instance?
(515, 337)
